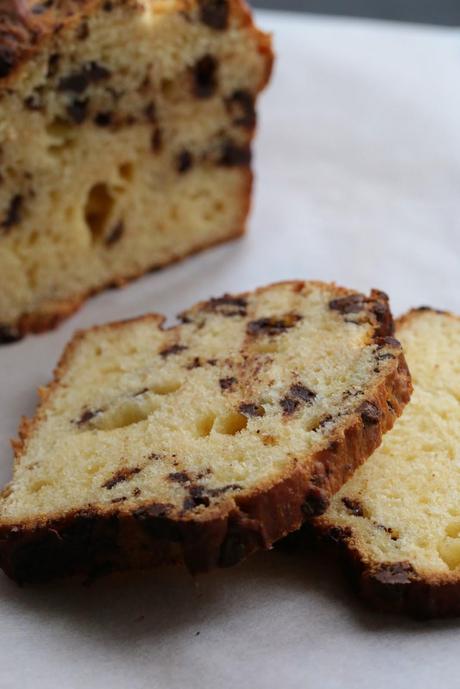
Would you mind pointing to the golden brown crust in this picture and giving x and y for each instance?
(25, 25)
(115, 538)
(394, 587)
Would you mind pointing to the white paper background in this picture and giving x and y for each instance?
(358, 181)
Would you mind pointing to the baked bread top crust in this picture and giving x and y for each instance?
(26, 24)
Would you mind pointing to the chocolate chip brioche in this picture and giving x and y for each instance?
(125, 142)
(398, 518)
(204, 441)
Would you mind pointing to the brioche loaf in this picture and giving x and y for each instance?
(204, 441)
(125, 142)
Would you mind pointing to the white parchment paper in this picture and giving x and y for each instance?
(358, 164)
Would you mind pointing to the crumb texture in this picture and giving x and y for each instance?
(125, 142)
(209, 419)
(399, 514)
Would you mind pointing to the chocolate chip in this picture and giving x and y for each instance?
(301, 392)
(156, 140)
(53, 64)
(198, 496)
(116, 500)
(78, 82)
(120, 476)
(235, 155)
(216, 492)
(354, 303)
(315, 503)
(179, 477)
(196, 363)
(157, 509)
(141, 392)
(107, 6)
(250, 409)
(115, 234)
(205, 77)
(150, 112)
(215, 13)
(227, 305)
(34, 102)
(13, 213)
(297, 393)
(82, 32)
(273, 325)
(173, 349)
(103, 119)
(184, 162)
(289, 405)
(227, 383)
(7, 62)
(395, 573)
(87, 415)
(9, 335)
(353, 506)
(137, 492)
(77, 110)
(370, 413)
(241, 107)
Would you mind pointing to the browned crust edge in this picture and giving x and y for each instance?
(92, 541)
(21, 35)
(394, 587)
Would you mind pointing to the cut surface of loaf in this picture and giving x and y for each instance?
(204, 441)
(125, 142)
(398, 518)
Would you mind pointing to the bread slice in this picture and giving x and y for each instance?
(204, 441)
(398, 518)
(125, 142)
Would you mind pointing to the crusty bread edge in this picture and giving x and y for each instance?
(394, 587)
(51, 314)
(114, 539)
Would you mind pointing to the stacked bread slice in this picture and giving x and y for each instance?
(398, 519)
(204, 441)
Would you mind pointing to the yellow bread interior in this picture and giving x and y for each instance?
(124, 145)
(247, 388)
(403, 505)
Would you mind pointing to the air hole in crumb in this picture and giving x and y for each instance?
(127, 413)
(93, 469)
(267, 347)
(167, 86)
(453, 529)
(449, 551)
(98, 209)
(60, 134)
(127, 171)
(204, 425)
(231, 423)
(37, 486)
(166, 388)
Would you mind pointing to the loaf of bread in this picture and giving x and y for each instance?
(398, 518)
(204, 441)
(125, 142)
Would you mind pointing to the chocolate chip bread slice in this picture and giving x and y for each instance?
(204, 441)
(125, 142)
(398, 518)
